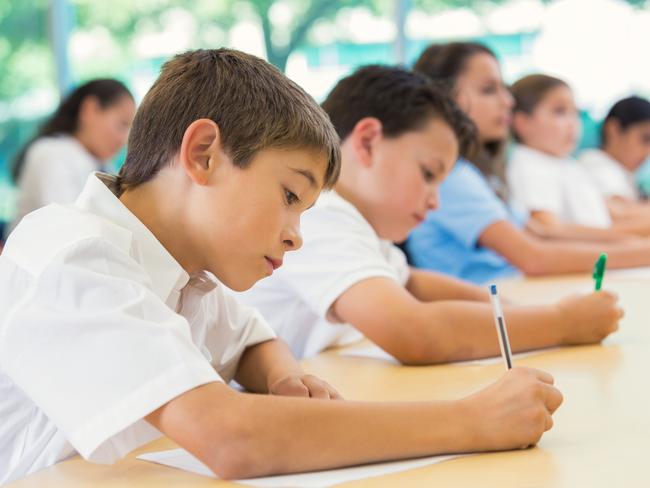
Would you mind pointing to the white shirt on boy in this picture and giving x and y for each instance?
(340, 249)
(99, 326)
(611, 178)
(541, 182)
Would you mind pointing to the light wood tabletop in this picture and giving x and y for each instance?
(600, 436)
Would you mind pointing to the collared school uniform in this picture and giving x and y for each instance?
(100, 326)
(610, 176)
(448, 239)
(55, 170)
(340, 248)
(540, 182)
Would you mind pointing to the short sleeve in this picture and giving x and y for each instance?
(468, 205)
(607, 176)
(535, 187)
(339, 250)
(231, 328)
(97, 350)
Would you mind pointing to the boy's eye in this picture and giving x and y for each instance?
(291, 197)
(427, 174)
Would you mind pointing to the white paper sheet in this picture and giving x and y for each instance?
(181, 459)
(375, 352)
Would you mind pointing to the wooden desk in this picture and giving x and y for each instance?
(600, 436)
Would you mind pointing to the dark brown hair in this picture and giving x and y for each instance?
(627, 112)
(255, 106)
(445, 63)
(65, 120)
(401, 100)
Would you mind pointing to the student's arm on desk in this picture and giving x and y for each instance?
(630, 215)
(416, 332)
(240, 435)
(548, 226)
(269, 367)
(535, 256)
(428, 286)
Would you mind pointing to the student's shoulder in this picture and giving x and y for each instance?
(465, 178)
(334, 219)
(595, 159)
(527, 165)
(55, 153)
(56, 229)
(53, 144)
(332, 207)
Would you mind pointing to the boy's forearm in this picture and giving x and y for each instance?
(456, 331)
(350, 433)
(238, 435)
(263, 364)
(428, 286)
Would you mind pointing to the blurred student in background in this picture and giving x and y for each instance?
(476, 234)
(544, 177)
(89, 127)
(624, 147)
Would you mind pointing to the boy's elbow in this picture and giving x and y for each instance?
(229, 464)
(419, 353)
(230, 456)
(532, 262)
(533, 267)
(229, 448)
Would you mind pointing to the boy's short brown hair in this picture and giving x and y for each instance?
(401, 100)
(255, 106)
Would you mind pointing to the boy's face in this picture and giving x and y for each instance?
(252, 215)
(631, 146)
(402, 180)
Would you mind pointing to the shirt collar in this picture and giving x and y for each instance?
(167, 275)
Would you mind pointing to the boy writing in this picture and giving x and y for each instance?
(400, 138)
(113, 328)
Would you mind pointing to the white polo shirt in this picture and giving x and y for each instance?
(55, 170)
(340, 249)
(99, 326)
(610, 176)
(540, 182)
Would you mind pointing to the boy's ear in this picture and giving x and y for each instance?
(611, 129)
(365, 133)
(201, 150)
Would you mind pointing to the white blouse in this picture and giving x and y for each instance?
(540, 182)
(55, 170)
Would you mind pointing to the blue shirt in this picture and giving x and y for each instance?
(447, 241)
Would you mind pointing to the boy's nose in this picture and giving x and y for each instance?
(292, 239)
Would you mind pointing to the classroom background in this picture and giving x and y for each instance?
(49, 46)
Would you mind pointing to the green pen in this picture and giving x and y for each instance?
(599, 270)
